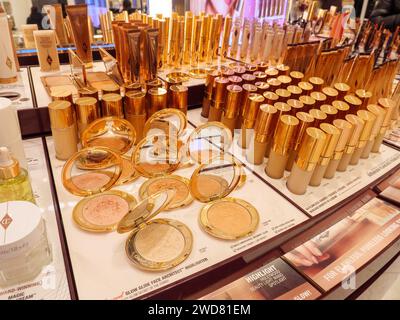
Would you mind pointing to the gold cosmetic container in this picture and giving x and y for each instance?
(247, 90)
(228, 72)
(380, 115)
(317, 83)
(205, 25)
(173, 54)
(353, 102)
(249, 115)
(330, 111)
(262, 66)
(260, 76)
(262, 134)
(296, 76)
(295, 91)
(195, 46)
(342, 88)
(283, 95)
(135, 111)
(225, 37)
(319, 117)
(172, 122)
(211, 75)
(283, 142)
(319, 98)
(369, 119)
(86, 112)
(110, 88)
(239, 70)
(305, 121)
(111, 105)
(157, 83)
(331, 94)
(249, 78)
(157, 100)
(61, 94)
(342, 108)
(232, 106)
(283, 69)
(332, 135)
(179, 98)
(364, 96)
(261, 87)
(310, 151)
(285, 81)
(308, 102)
(306, 87)
(144, 229)
(388, 106)
(188, 37)
(274, 84)
(63, 127)
(211, 40)
(271, 73)
(86, 92)
(358, 125)
(346, 130)
(270, 97)
(235, 80)
(218, 98)
(295, 105)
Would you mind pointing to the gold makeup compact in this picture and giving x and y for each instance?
(180, 184)
(91, 171)
(112, 132)
(172, 122)
(102, 212)
(155, 244)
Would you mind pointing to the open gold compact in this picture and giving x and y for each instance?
(112, 132)
(182, 197)
(155, 244)
(102, 212)
(172, 122)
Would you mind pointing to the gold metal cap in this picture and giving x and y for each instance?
(261, 87)
(388, 105)
(61, 114)
(157, 100)
(179, 97)
(133, 87)
(235, 80)
(317, 82)
(111, 105)
(270, 97)
(330, 111)
(211, 75)
(342, 88)
(228, 72)
(358, 125)
(332, 137)
(283, 94)
(61, 94)
(369, 119)
(272, 72)
(284, 134)
(248, 78)
(283, 69)
(363, 94)
(296, 76)
(296, 106)
(262, 66)
(282, 107)
(306, 86)
(305, 121)
(319, 98)
(251, 108)
(285, 80)
(342, 107)
(239, 70)
(308, 102)
(86, 92)
(250, 67)
(232, 106)
(295, 91)
(353, 102)
(219, 89)
(135, 103)
(260, 76)
(12, 169)
(330, 93)
(264, 121)
(311, 148)
(86, 110)
(110, 88)
(380, 116)
(346, 129)
(319, 116)
(274, 83)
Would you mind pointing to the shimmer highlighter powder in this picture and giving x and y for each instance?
(91, 181)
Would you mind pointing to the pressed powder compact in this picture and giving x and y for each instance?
(172, 122)
(180, 184)
(112, 132)
(102, 212)
(155, 244)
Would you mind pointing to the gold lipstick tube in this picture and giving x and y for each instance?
(305, 121)
(309, 153)
(364, 96)
(206, 20)
(218, 98)
(380, 116)
(179, 98)
(388, 106)
(211, 40)
(283, 142)
(188, 37)
(157, 100)
(261, 87)
(135, 111)
(235, 38)
(239, 70)
(332, 137)
(319, 98)
(369, 119)
(235, 80)
(247, 90)
(319, 117)
(272, 73)
(353, 102)
(249, 78)
(86, 112)
(297, 77)
(342, 107)
(211, 75)
(330, 111)
(262, 66)
(283, 70)
(232, 106)
(283, 95)
(228, 72)
(306, 87)
(249, 115)
(308, 102)
(274, 84)
(262, 134)
(331, 94)
(225, 37)
(295, 105)
(343, 90)
(111, 105)
(270, 97)
(295, 91)
(346, 129)
(317, 83)
(195, 46)
(358, 125)
(61, 94)
(285, 81)
(260, 76)
(245, 40)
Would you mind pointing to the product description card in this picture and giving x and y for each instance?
(334, 255)
(393, 137)
(274, 281)
(18, 92)
(52, 283)
(331, 191)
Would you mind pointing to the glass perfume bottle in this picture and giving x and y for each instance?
(14, 181)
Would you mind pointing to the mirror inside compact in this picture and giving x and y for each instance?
(208, 141)
(156, 155)
(91, 171)
(158, 244)
(112, 132)
(172, 122)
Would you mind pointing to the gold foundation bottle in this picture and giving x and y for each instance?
(388, 106)
(380, 115)
(86, 112)
(309, 153)
(342, 89)
(218, 99)
(364, 96)
(135, 111)
(250, 111)
(232, 106)
(270, 97)
(62, 94)
(157, 99)
(247, 90)
(346, 130)
(179, 98)
(63, 127)
(358, 125)
(211, 75)
(283, 142)
(332, 135)
(331, 94)
(330, 111)
(353, 102)
(111, 105)
(262, 133)
(369, 119)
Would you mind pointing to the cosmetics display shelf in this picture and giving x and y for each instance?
(19, 92)
(52, 282)
(332, 193)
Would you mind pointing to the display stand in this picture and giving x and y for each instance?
(19, 92)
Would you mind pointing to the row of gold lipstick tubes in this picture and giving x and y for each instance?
(304, 127)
